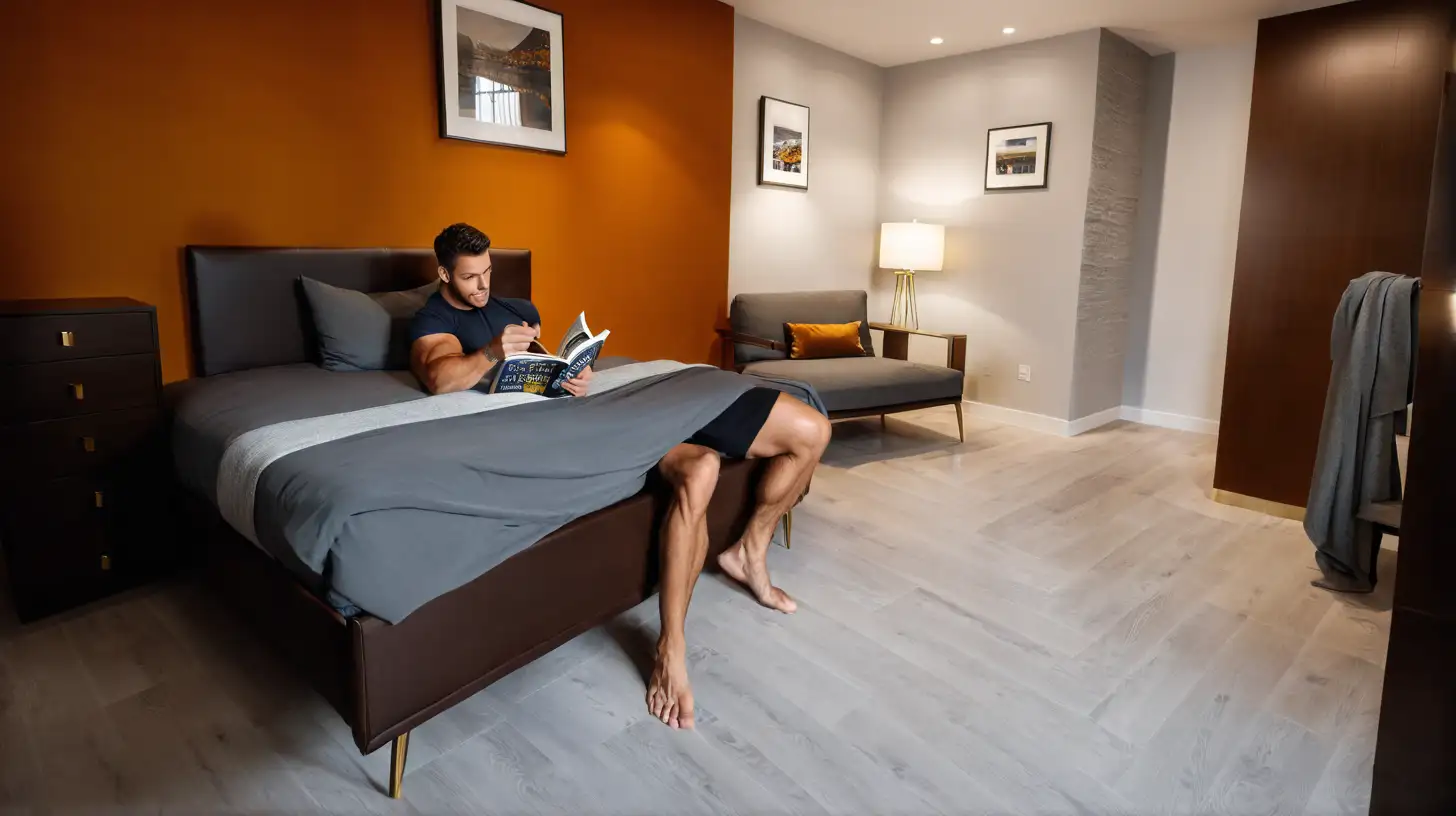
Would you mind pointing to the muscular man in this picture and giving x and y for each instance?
(462, 332)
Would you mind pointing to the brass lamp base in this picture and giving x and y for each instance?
(903, 311)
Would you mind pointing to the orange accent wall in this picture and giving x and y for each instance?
(131, 129)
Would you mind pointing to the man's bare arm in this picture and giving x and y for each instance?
(443, 367)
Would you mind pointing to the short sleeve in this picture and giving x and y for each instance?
(428, 321)
(525, 309)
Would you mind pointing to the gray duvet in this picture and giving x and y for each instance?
(394, 517)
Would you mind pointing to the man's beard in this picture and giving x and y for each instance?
(470, 298)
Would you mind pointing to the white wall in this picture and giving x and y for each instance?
(909, 142)
(1187, 325)
(1013, 259)
(783, 240)
(1150, 214)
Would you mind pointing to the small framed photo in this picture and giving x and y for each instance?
(502, 77)
(1017, 157)
(783, 143)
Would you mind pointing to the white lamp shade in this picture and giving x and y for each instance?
(914, 246)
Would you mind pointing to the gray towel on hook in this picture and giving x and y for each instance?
(1372, 350)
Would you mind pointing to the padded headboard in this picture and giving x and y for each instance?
(248, 310)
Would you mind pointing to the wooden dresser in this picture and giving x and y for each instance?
(81, 451)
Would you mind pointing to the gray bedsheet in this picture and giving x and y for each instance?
(209, 412)
(394, 518)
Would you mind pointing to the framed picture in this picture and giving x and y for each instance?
(1017, 157)
(501, 74)
(783, 143)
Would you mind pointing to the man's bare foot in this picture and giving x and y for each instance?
(669, 694)
(754, 575)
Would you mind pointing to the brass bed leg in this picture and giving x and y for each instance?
(788, 529)
(961, 421)
(398, 753)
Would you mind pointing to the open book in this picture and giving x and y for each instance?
(540, 372)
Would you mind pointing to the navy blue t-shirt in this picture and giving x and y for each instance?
(474, 328)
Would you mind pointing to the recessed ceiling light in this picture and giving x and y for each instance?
(936, 40)
(1008, 30)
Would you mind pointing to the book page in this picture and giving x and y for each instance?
(588, 345)
(575, 336)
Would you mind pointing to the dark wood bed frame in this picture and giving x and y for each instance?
(246, 312)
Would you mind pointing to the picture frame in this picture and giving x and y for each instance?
(1018, 157)
(783, 143)
(502, 73)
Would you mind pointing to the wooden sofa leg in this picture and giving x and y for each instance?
(882, 422)
(961, 421)
(789, 530)
(398, 753)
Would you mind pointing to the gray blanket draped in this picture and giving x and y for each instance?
(1372, 348)
(397, 517)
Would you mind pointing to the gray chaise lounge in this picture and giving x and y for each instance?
(849, 386)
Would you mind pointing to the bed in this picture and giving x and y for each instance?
(248, 320)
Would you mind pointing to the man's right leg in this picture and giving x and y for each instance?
(692, 470)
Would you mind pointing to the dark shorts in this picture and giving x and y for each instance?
(732, 432)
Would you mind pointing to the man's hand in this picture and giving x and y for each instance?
(514, 340)
(581, 384)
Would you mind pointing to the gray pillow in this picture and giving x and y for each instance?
(362, 331)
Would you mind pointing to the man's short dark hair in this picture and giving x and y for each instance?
(456, 240)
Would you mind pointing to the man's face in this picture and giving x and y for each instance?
(471, 279)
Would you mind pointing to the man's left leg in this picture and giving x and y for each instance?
(794, 437)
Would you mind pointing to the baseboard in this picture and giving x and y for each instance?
(1041, 422)
(1265, 506)
(1163, 419)
(1021, 419)
(1064, 427)
(1092, 421)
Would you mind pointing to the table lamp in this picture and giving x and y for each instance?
(908, 248)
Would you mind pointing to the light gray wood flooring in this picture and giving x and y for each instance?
(1018, 624)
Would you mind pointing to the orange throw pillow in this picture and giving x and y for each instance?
(811, 341)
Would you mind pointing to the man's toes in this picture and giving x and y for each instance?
(669, 714)
(785, 603)
(685, 714)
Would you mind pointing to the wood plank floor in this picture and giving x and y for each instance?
(1018, 624)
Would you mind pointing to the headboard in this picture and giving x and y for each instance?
(248, 310)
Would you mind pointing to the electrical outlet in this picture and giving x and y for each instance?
(1023, 373)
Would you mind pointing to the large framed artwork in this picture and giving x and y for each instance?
(783, 143)
(502, 74)
(1017, 158)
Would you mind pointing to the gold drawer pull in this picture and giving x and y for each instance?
(88, 444)
(100, 499)
(105, 563)
(78, 390)
(68, 339)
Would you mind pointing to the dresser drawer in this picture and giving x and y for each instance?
(56, 390)
(61, 548)
(85, 444)
(48, 338)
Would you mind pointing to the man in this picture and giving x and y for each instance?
(462, 333)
